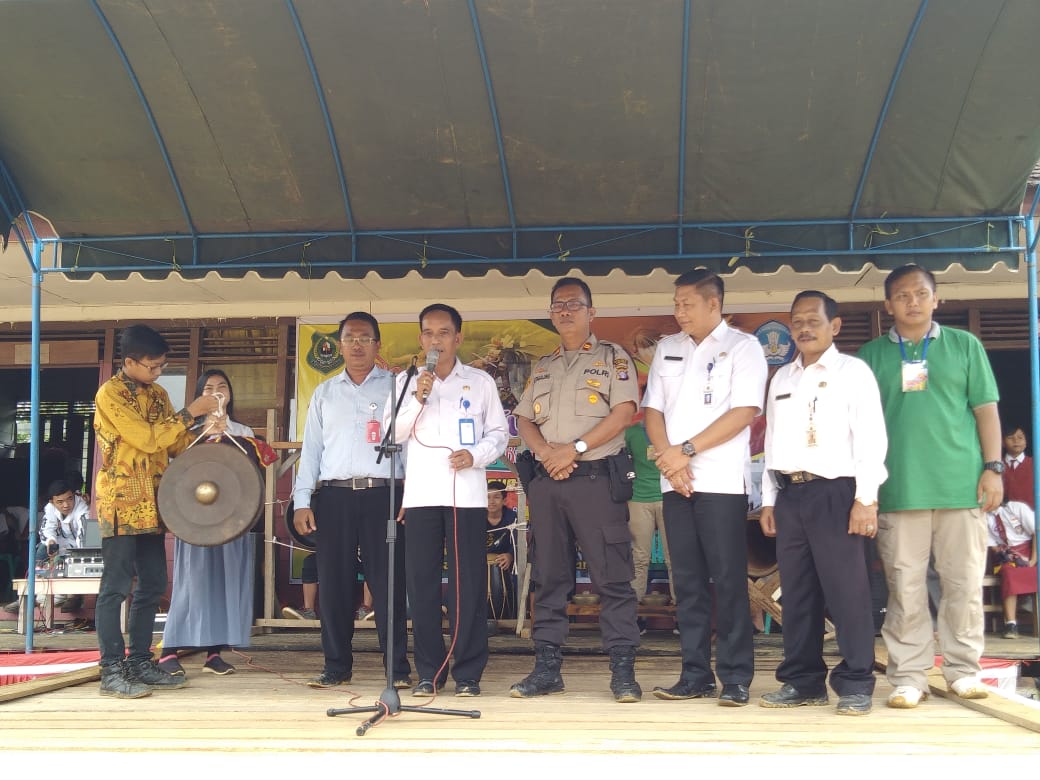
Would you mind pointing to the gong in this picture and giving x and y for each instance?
(306, 541)
(211, 494)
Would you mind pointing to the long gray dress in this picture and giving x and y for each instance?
(212, 601)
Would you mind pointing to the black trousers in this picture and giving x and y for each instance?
(431, 531)
(823, 566)
(707, 539)
(580, 508)
(347, 519)
(143, 556)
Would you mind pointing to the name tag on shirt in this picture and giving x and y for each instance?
(915, 376)
(673, 357)
(467, 431)
(782, 397)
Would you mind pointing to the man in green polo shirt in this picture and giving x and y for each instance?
(940, 403)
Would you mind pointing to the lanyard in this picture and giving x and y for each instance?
(924, 352)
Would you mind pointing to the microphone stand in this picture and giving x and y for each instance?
(389, 703)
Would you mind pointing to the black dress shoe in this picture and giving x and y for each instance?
(854, 704)
(329, 680)
(424, 689)
(734, 695)
(684, 689)
(467, 688)
(789, 696)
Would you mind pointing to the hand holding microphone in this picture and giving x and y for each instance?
(425, 382)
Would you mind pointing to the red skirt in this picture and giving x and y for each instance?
(1016, 580)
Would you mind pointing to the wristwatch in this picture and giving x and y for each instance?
(580, 446)
(995, 466)
(688, 449)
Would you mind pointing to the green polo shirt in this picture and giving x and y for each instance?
(647, 487)
(934, 457)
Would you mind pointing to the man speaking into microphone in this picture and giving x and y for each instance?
(452, 426)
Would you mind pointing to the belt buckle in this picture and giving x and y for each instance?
(360, 483)
(798, 478)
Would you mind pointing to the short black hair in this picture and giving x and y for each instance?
(906, 270)
(360, 316)
(497, 485)
(1010, 427)
(830, 306)
(200, 385)
(708, 284)
(59, 487)
(140, 341)
(456, 318)
(572, 281)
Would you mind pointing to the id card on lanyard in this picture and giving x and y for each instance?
(467, 426)
(915, 372)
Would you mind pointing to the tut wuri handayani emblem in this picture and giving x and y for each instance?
(324, 354)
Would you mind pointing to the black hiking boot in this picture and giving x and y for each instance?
(147, 672)
(115, 683)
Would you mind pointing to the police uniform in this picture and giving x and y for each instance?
(567, 397)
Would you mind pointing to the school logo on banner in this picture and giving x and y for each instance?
(324, 354)
(775, 338)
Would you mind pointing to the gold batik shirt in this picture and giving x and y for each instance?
(137, 432)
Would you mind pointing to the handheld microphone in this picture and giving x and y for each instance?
(432, 356)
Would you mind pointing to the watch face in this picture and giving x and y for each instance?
(687, 449)
(580, 446)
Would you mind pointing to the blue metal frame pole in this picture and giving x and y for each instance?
(29, 605)
(683, 88)
(1034, 360)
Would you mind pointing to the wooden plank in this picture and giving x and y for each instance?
(51, 682)
(83, 352)
(1007, 710)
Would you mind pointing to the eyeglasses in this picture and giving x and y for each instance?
(572, 305)
(364, 341)
(153, 369)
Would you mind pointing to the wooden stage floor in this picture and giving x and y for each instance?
(265, 718)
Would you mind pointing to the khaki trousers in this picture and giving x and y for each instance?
(643, 518)
(957, 539)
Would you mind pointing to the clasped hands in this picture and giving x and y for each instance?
(676, 469)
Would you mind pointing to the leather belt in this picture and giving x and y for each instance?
(584, 468)
(356, 483)
(800, 477)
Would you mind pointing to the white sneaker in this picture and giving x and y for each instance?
(969, 688)
(906, 697)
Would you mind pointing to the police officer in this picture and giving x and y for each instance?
(573, 414)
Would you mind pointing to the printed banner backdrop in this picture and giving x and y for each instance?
(507, 349)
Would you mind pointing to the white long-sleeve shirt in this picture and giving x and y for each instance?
(840, 395)
(432, 432)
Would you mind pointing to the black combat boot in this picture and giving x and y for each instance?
(115, 683)
(545, 678)
(623, 675)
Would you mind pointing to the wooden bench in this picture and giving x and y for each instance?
(49, 587)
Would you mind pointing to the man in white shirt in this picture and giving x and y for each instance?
(704, 388)
(825, 459)
(63, 521)
(352, 502)
(453, 426)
